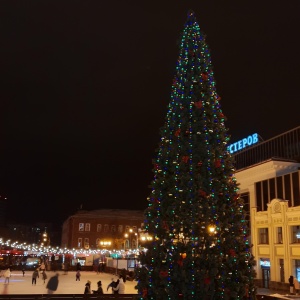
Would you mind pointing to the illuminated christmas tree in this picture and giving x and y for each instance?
(200, 247)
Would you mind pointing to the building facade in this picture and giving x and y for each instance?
(269, 181)
(103, 229)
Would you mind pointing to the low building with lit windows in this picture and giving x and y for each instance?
(103, 229)
(269, 181)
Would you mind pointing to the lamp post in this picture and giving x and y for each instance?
(145, 237)
(137, 240)
(125, 242)
(212, 231)
(45, 238)
(129, 237)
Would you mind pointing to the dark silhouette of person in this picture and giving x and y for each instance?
(100, 289)
(44, 276)
(87, 289)
(78, 267)
(35, 275)
(52, 284)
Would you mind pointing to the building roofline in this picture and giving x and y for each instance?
(272, 159)
(109, 213)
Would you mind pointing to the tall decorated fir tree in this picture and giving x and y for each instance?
(200, 247)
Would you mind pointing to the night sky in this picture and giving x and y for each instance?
(85, 87)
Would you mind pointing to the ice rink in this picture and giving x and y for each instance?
(67, 284)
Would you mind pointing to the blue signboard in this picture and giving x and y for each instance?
(244, 143)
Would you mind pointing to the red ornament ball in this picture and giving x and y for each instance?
(198, 104)
(202, 193)
(177, 132)
(204, 76)
(218, 163)
(185, 159)
(145, 293)
(207, 280)
(163, 273)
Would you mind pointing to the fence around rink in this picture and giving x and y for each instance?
(69, 297)
(93, 296)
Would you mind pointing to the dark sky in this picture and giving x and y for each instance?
(85, 87)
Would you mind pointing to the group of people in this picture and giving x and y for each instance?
(100, 267)
(87, 289)
(51, 285)
(36, 275)
(117, 287)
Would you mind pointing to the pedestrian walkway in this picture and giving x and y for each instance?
(269, 294)
(67, 283)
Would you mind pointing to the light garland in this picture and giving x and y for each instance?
(46, 250)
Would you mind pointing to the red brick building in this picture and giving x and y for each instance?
(103, 229)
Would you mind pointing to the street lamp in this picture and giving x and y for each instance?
(129, 235)
(130, 241)
(105, 244)
(145, 237)
(45, 238)
(212, 231)
(125, 242)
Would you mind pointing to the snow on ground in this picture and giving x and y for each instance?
(67, 284)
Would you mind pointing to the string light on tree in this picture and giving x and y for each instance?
(200, 247)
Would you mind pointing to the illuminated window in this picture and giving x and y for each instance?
(97, 243)
(81, 226)
(295, 234)
(79, 244)
(297, 266)
(87, 226)
(133, 243)
(86, 243)
(99, 227)
(263, 234)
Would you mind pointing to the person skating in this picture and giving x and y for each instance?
(44, 276)
(111, 285)
(52, 284)
(120, 287)
(99, 268)
(7, 275)
(42, 267)
(78, 275)
(35, 275)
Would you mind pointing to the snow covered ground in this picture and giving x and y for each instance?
(67, 284)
